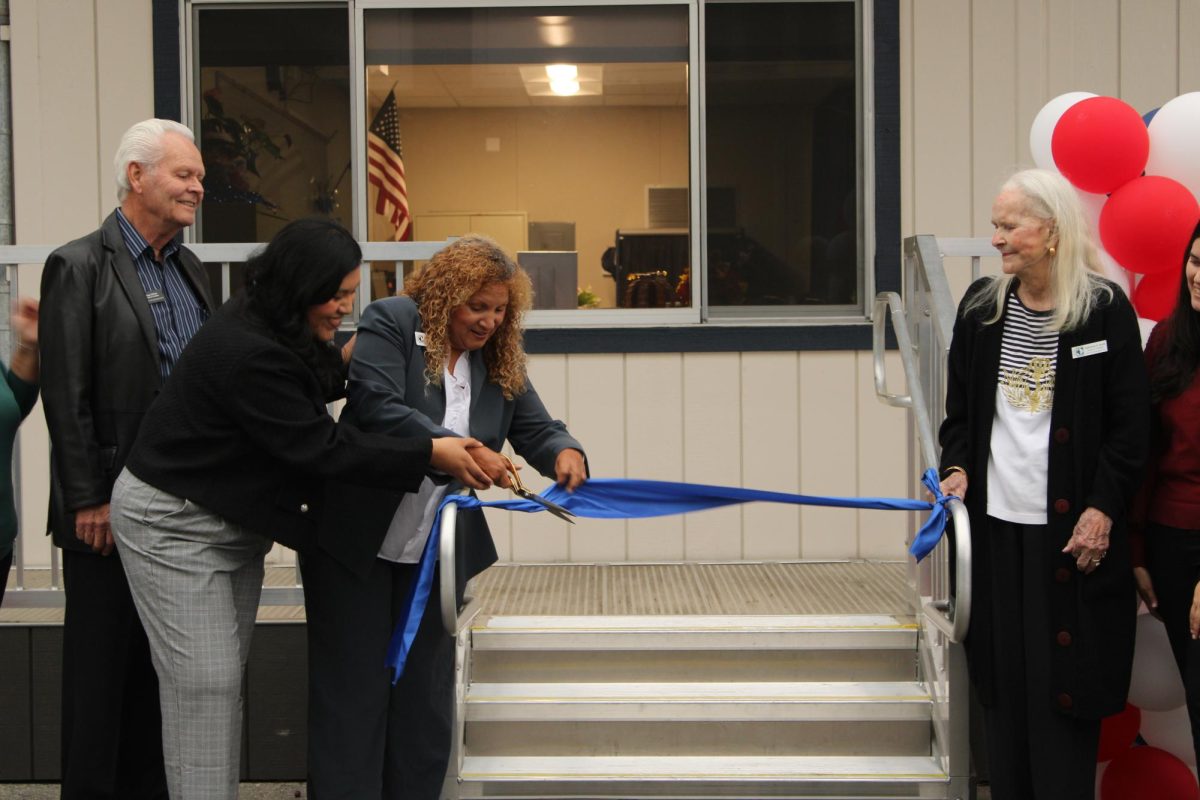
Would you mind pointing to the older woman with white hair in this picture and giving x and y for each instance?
(1046, 422)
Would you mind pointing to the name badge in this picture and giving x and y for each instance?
(1085, 350)
(419, 338)
(155, 297)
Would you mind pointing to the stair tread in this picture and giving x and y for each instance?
(678, 633)
(749, 691)
(708, 768)
(719, 623)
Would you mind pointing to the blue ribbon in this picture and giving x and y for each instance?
(616, 498)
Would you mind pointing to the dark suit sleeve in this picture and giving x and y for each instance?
(270, 399)
(1126, 407)
(537, 436)
(378, 385)
(65, 324)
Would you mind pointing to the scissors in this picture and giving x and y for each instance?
(520, 490)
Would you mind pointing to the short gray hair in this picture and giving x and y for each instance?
(142, 143)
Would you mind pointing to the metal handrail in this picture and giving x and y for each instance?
(953, 619)
(923, 323)
(453, 619)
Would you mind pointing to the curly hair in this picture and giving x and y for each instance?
(452, 276)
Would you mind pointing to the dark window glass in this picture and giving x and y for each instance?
(273, 114)
(782, 154)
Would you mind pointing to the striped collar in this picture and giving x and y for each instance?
(137, 244)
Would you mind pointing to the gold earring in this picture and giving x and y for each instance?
(1052, 251)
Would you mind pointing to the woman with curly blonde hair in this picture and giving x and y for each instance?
(445, 358)
(451, 279)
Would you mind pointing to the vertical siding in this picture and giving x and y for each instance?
(978, 71)
(881, 456)
(654, 447)
(81, 75)
(712, 436)
(1189, 54)
(596, 408)
(770, 448)
(941, 96)
(828, 455)
(541, 537)
(1149, 53)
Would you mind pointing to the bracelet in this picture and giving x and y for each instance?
(948, 470)
(24, 345)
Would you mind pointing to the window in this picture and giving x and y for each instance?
(272, 115)
(563, 133)
(650, 164)
(782, 155)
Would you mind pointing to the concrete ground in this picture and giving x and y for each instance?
(247, 791)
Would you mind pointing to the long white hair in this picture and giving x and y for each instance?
(1074, 267)
(143, 143)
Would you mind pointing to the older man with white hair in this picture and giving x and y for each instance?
(118, 307)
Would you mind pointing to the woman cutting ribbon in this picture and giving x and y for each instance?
(238, 451)
(445, 359)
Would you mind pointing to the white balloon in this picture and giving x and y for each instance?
(1042, 129)
(1170, 731)
(1092, 203)
(1155, 685)
(1110, 269)
(1174, 132)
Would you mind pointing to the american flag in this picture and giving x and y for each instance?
(385, 168)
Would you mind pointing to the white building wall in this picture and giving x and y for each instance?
(974, 73)
(82, 72)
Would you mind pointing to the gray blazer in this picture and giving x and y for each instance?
(388, 394)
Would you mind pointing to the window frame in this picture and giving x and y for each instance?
(694, 329)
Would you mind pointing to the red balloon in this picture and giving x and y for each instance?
(1147, 773)
(1118, 732)
(1155, 295)
(1147, 223)
(1100, 143)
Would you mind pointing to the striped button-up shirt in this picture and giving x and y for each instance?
(178, 312)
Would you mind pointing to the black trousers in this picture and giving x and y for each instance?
(1034, 751)
(111, 726)
(366, 738)
(1173, 559)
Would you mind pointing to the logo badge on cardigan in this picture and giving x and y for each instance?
(1085, 350)
(419, 338)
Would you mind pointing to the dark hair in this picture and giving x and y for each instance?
(302, 266)
(1173, 371)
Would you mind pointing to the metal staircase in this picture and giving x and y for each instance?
(691, 706)
(626, 707)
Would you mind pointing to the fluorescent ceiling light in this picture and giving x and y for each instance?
(564, 87)
(562, 72)
(563, 80)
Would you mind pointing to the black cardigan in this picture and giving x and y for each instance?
(1099, 426)
(241, 429)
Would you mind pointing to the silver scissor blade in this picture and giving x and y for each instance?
(553, 508)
